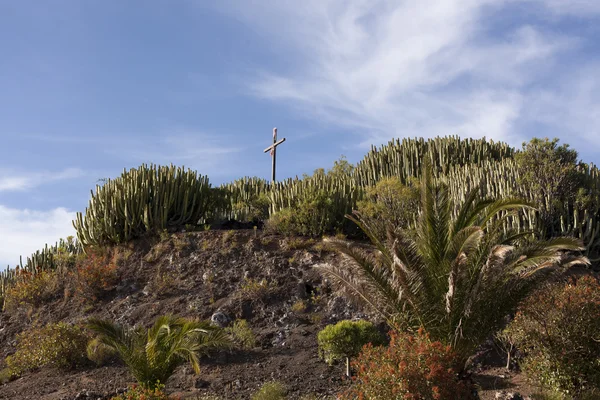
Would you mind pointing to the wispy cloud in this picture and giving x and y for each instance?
(208, 153)
(427, 68)
(22, 232)
(11, 180)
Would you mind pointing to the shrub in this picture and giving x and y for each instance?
(270, 391)
(390, 202)
(31, 289)
(313, 206)
(139, 393)
(558, 330)
(345, 339)
(93, 276)
(152, 355)
(253, 209)
(242, 334)
(411, 367)
(256, 290)
(57, 345)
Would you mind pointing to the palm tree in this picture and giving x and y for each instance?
(457, 277)
(152, 355)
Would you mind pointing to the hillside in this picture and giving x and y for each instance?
(207, 272)
(461, 235)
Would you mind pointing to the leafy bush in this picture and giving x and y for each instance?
(256, 290)
(57, 345)
(253, 209)
(390, 202)
(139, 393)
(313, 216)
(152, 355)
(242, 334)
(345, 339)
(558, 330)
(270, 391)
(411, 367)
(549, 172)
(31, 289)
(93, 276)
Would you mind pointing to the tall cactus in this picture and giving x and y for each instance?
(142, 200)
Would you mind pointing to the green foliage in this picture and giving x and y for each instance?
(411, 367)
(270, 391)
(152, 355)
(558, 329)
(147, 199)
(57, 345)
(346, 339)
(316, 213)
(242, 334)
(140, 393)
(549, 172)
(256, 290)
(459, 276)
(390, 202)
(245, 199)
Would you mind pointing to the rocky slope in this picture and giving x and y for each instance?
(223, 275)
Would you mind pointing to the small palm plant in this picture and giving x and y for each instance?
(457, 277)
(153, 355)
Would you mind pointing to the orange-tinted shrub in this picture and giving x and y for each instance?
(136, 392)
(410, 368)
(558, 330)
(93, 276)
(31, 289)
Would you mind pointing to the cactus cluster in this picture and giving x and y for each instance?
(146, 199)
(153, 198)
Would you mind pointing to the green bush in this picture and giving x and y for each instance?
(390, 202)
(345, 339)
(313, 216)
(270, 391)
(153, 354)
(241, 334)
(57, 345)
(558, 330)
(411, 367)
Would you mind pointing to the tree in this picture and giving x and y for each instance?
(153, 355)
(345, 339)
(549, 172)
(458, 277)
(390, 202)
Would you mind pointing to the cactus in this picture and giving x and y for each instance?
(147, 199)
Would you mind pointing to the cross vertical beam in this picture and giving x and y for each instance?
(273, 149)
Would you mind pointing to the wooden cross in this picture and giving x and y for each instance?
(273, 149)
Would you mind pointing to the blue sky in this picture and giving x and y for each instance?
(88, 88)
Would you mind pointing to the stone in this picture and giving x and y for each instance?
(220, 319)
(508, 396)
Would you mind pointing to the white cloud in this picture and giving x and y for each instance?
(15, 181)
(208, 153)
(22, 232)
(406, 68)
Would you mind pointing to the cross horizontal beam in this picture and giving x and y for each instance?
(271, 147)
